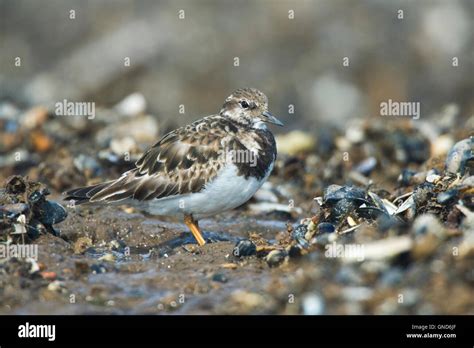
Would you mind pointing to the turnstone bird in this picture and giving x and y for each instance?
(214, 164)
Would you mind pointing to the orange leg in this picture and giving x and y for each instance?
(194, 228)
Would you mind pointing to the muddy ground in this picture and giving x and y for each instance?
(165, 273)
(406, 199)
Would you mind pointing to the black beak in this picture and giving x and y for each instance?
(268, 117)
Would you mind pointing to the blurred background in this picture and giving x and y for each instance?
(183, 53)
(326, 66)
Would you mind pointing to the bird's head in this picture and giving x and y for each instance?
(248, 107)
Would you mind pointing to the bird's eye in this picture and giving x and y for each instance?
(244, 104)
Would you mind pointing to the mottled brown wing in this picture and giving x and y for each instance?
(183, 161)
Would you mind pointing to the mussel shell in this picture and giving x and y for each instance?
(298, 234)
(326, 227)
(276, 257)
(366, 166)
(371, 213)
(341, 209)
(377, 201)
(460, 154)
(50, 213)
(12, 211)
(405, 178)
(447, 196)
(423, 192)
(35, 197)
(387, 222)
(335, 193)
(245, 247)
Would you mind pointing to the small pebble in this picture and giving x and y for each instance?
(229, 265)
(447, 196)
(219, 277)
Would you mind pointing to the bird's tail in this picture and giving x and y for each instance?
(84, 194)
(129, 185)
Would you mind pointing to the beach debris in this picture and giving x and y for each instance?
(24, 209)
(461, 156)
(244, 247)
(276, 257)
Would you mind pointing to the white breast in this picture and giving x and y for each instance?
(226, 191)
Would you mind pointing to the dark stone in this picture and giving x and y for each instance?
(219, 277)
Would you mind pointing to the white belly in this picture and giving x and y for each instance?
(226, 191)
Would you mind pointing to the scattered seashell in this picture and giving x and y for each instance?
(460, 155)
(276, 257)
(447, 196)
(245, 247)
(351, 221)
(366, 166)
(13, 211)
(382, 249)
(265, 207)
(326, 227)
(108, 257)
(406, 177)
(299, 235)
(433, 178)
(49, 212)
(334, 193)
